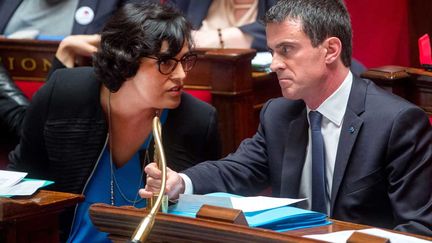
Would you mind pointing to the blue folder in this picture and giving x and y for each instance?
(278, 219)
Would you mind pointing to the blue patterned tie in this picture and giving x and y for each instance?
(318, 164)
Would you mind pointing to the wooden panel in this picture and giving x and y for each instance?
(35, 218)
(237, 93)
(27, 60)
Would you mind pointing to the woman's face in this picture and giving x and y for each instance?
(155, 89)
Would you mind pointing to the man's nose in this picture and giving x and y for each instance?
(276, 64)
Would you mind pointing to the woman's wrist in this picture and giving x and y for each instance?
(65, 56)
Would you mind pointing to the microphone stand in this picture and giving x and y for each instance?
(144, 228)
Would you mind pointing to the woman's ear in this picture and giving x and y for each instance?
(334, 49)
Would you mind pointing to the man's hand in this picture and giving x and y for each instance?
(174, 182)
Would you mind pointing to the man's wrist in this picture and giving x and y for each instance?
(187, 184)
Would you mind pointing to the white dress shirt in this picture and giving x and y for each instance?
(333, 111)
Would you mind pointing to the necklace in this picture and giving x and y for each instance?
(113, 179)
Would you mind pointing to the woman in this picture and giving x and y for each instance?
(88, 129)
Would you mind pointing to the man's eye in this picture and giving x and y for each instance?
(285, 49)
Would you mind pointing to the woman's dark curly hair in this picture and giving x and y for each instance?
(136, 31)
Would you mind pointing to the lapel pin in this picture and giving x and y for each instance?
(84, 15)
(351, 129)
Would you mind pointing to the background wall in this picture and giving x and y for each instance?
(385, 32)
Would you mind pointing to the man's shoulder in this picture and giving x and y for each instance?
(284, 104)
(282, 110)
(377, 97)
(380, 105)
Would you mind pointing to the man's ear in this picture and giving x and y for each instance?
(334, 49)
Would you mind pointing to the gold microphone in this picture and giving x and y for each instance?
(157, 201)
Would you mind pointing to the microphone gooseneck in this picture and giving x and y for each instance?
(144, 228)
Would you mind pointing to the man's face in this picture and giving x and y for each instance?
(300, 67)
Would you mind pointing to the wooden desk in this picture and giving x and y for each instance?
(121, 222)
(338, 225)
(35, 218)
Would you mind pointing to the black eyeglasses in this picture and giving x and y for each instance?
(167, 65)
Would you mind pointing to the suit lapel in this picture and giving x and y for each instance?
(294, 155)
(350, 129)
(7, 9)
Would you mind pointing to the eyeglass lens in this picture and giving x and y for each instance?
(167, 66)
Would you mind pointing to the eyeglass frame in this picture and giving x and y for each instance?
(183, 58)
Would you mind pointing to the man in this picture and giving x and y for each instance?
(377, 147)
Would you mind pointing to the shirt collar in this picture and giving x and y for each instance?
(334, 107)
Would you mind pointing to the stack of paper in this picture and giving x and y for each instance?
(14, 184)
(264, 212)
(343, 236)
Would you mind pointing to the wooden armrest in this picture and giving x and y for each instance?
(222, 214)
(358, 237)
(386, 73)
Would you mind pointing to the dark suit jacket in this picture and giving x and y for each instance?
(196, 12)
(103, 9)
(383, 169)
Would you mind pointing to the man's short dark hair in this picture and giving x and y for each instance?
(136, 31)
(320, 19)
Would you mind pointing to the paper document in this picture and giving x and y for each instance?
(253, 204)
(246, 204)
(23, 188)
(342, 236)
(10, 178)
(14, 184)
